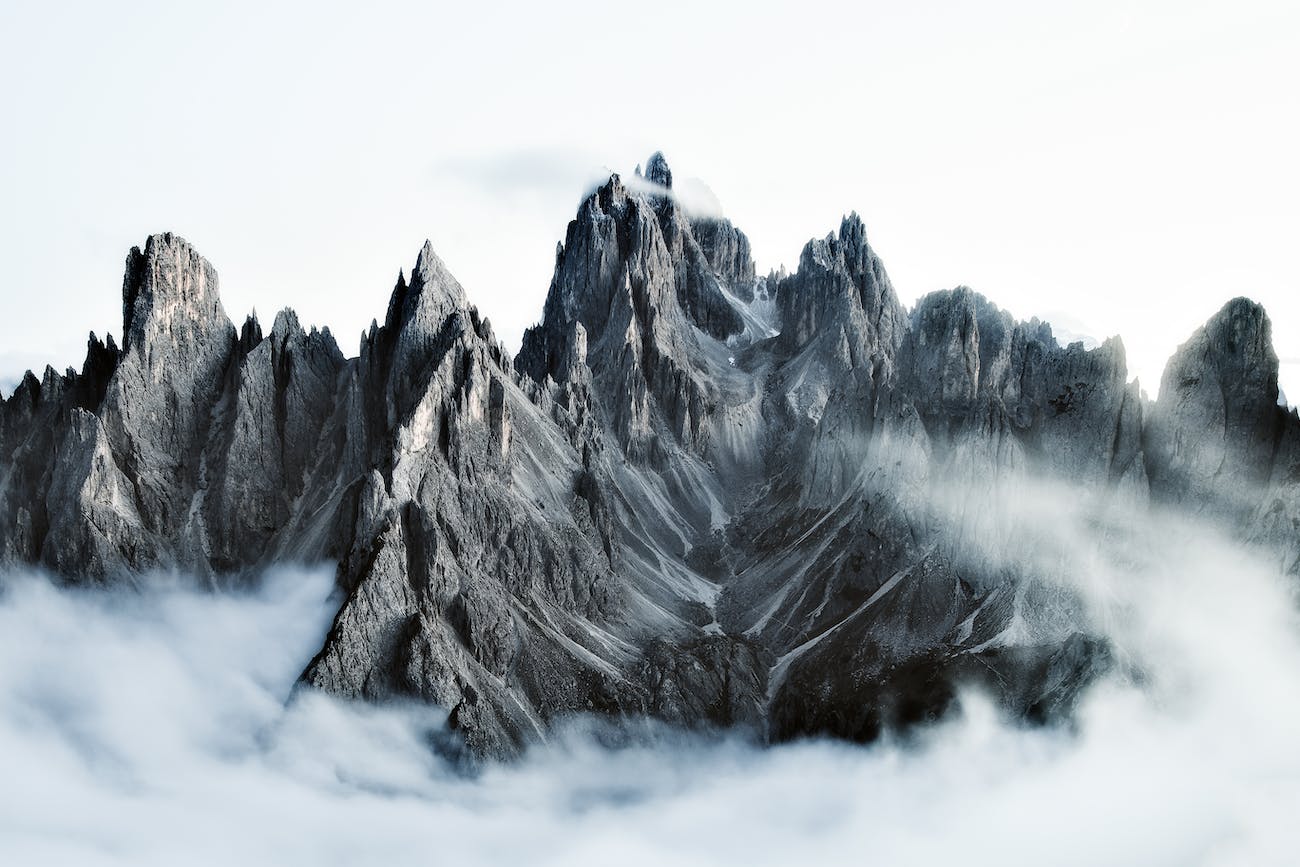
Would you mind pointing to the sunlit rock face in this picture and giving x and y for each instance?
(782, 503)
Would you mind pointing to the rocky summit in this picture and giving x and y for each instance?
(699, 494)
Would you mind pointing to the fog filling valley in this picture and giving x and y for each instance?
(161, 726)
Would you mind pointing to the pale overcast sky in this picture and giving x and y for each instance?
(1116, 167)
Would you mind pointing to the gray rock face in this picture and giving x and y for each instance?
(1216, 426)
(657, 171)
(783, 503)
(726, 249)
(176, 345)
(632, 275)
(1068, 410)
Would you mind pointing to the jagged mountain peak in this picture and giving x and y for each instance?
(610, 198)
(841, 283)
(1234, 345)
(657, 171)
(848, 249)
(431, 270)
(1215, 425)
(853, 231)
(286, 323)
(431, 295)
(168, 284)
(650, 510)
(250, 333)
(425, 316)
(1242, 328)
(963, 302)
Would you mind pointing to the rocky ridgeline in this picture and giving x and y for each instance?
(697, 494)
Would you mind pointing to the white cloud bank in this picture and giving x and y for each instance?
(153, 729)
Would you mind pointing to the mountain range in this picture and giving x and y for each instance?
(697, 494)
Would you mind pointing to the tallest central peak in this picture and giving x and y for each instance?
(657, 171)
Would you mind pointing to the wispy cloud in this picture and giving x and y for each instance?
(559, 173)
(153, 728)
(550, 172)
(692, 194)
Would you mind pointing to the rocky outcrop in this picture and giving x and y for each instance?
(632, 275)
(1216, 426)
(476, 574)
(784, 503)
(276, 403)
(1068, 410)
(841, 288)
(176, 345)
(726, 249)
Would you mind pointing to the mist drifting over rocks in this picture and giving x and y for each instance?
(704, 529)
(162, 727)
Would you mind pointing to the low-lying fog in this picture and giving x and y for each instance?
(152, 728)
